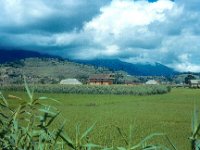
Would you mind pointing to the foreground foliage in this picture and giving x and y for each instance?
(29, 126)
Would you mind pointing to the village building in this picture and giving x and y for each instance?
(152, 82)
(70, 81)
(101, 79)
(194, 83)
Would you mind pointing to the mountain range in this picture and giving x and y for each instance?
(138, 69)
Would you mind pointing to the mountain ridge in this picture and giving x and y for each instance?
(138, 69)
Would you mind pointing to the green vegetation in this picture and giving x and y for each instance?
(168, 113)
(92, 89)
(195, 142)
(28, 126)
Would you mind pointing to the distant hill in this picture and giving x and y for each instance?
(133, 69)
(14, 55)
(45, 71)
(41, 68)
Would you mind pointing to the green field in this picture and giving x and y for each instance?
(167, 113)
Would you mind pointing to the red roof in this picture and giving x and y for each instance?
(102, 77)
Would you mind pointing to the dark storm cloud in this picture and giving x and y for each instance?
(47, 16)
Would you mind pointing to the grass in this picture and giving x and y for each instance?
(169, 113)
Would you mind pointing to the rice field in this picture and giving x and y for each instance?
(169, 113)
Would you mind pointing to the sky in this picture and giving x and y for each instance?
(135, 31)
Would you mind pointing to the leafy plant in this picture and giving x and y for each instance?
(195, 142)
(29, 126)
(143, 144)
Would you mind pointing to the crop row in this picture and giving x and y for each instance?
(92, 89)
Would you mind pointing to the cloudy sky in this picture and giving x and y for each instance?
(163, 31)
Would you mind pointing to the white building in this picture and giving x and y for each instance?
(194, 83)
(152, 82)
(70, 81)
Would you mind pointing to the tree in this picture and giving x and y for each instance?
(119, 78)
(188, 78)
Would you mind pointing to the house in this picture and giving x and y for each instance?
(70, 81)
(152, 82)
(101, 79)
(194, 83)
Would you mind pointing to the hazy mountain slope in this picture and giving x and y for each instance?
(133, 69)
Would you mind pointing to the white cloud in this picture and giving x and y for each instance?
(125, 24)
(65, 38)
(127, 14)
(183, 67)
(143, 31)
(111, 50)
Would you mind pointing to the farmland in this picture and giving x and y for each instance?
(169, 113)
(95, 89)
